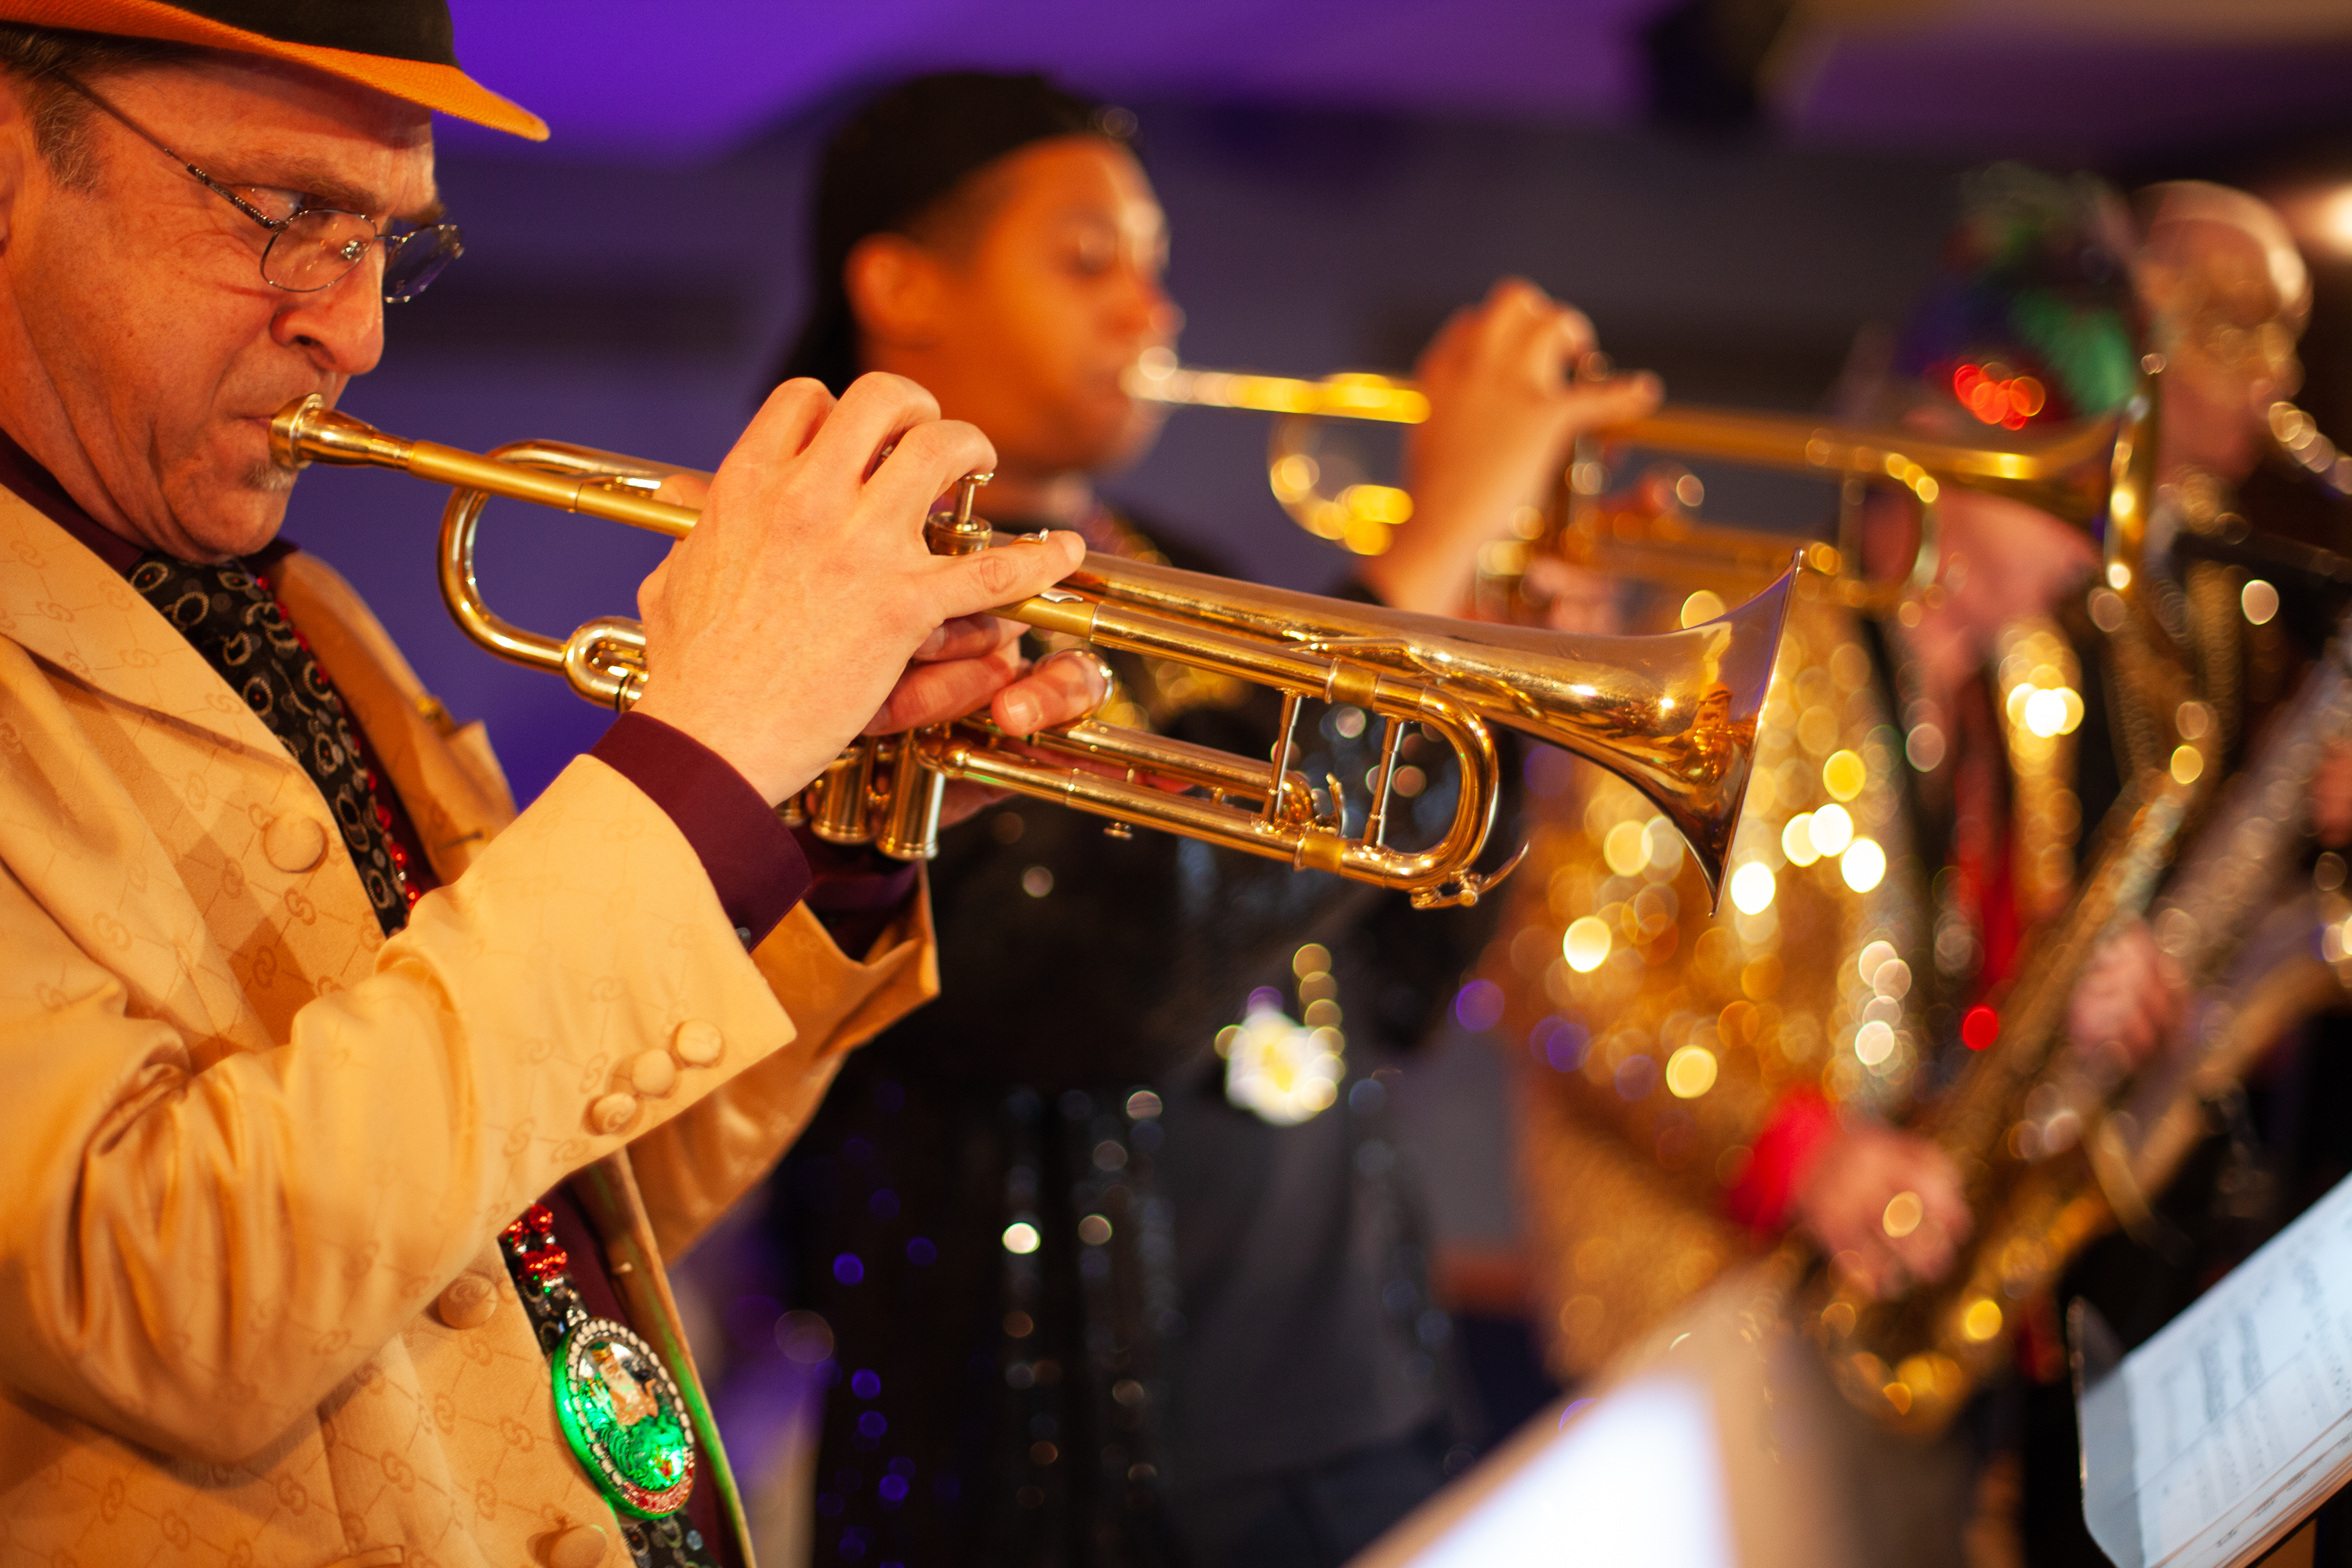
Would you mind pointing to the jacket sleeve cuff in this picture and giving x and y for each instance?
(753, 859)
(1776, 1163)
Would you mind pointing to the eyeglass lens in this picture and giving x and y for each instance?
(318, 247)
(414, 260)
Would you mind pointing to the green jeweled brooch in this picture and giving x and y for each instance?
(620, 1408)
(625, 1417)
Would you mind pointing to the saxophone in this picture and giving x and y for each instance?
(2261, 953)
(2047, 1165)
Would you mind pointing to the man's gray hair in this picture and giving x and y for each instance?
(39, 60)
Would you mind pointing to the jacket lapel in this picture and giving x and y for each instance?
(445, 774)
(70, 609)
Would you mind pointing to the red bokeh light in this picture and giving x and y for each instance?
(1995, 397)
(1980, 1027)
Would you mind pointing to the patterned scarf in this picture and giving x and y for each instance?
(227, 616)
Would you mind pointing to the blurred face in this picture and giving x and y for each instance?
(2002, 560)
(2005, 560)
(2227, 339)
(1025, 327)
(1998, 560)
(142, 354)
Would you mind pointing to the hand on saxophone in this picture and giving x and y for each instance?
(1504, 407)
(1885, 1206)
(2129, 1001)
(2331, 795)
(786, 623)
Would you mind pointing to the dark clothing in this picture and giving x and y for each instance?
(1314, 1519)
(1088, 1285)
(2273, 1148)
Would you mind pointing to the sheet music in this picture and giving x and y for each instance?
(2239, 1410)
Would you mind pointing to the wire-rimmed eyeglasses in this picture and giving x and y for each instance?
(312, 247)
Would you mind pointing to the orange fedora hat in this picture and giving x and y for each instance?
(404, 48)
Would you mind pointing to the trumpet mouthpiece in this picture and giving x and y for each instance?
(306, 431)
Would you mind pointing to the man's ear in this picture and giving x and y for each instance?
(896, 290)
(15, 148)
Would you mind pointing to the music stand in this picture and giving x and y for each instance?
(2208, 1445)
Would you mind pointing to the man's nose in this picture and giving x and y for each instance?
(1157, 316)
(1168, 318)
(341, 326)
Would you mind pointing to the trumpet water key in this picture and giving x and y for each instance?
(1675, 715)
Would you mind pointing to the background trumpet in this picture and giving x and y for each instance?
(1674, 715)
(2067, 474)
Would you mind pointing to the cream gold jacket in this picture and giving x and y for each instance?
(246, 1142)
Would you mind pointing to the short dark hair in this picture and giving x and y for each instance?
(39, 60)
(914, 161)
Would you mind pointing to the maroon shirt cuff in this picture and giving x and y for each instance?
(857, 892)
(752, 857)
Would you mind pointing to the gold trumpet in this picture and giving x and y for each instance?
(2067, 472)
(1674, 715)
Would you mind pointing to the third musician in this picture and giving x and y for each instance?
(1697, 1086)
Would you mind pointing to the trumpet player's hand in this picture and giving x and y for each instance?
(976, 663)
(967, 663)
(1886, 1206)
(2331, 795)
(1574, 599)
(780, 627)
(1504, 406)
(2129, 1001)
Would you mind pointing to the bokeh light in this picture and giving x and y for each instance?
(1752, 888)
(1585, 944)
(1863, 865)
(1690, 1072)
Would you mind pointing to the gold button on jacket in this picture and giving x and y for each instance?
(294, 842)
(471, 1301)
(249, 1145)
(581, 1546)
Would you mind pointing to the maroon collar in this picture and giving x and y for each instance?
(39, 489)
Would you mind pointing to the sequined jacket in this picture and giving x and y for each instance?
(1655, 1044)
(248, 1143)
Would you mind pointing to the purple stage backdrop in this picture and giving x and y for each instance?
(629, 284)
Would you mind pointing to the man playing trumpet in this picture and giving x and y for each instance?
(1106, 1293)
(300, 1015)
